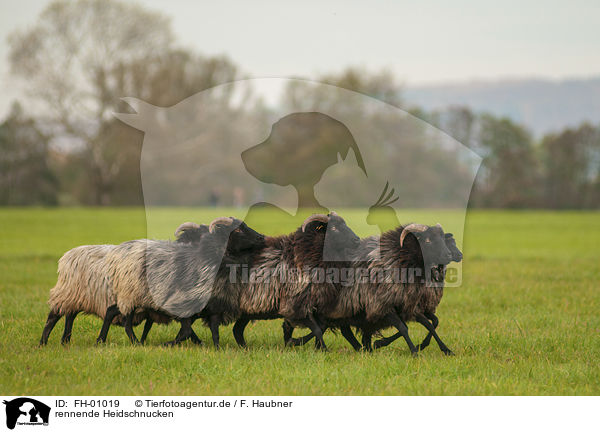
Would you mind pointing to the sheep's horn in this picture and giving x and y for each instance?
(186, 226)
(316, 217)
(333, 214)
(412, 228)
(219, 221)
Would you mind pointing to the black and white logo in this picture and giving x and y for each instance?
(26, 411)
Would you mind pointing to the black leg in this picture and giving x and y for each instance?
(395, 320)
(129, 328)
(238, 331)
(366, 340)
(380, 343)
(301, 341)
(111, 313)
(195, 339)
(69, 318)
(434, 321)
(316, 329)
(185, 332)
(385, 341)
(214, 329)
(429, 326)
(147, 327)
(323, 328)
(51, 321)
(349, 335)
(288, 331)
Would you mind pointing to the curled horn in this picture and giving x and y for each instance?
(412, 228)
(316, 217)
(219, 221)
(186, 226)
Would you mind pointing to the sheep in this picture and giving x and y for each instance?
(84, 285)
(431, 305)
(372, 306)
(298, 300)
(180, 280)
(190, 232)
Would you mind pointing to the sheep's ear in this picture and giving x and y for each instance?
(145, 113)
(448, 235)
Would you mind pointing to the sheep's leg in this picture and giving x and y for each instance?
(288, 331)
(323, 328)
(380, 343)
(349, 335)
(66, 337)
(51, 321)
(301, 341)
(312, 324)
(385, 341)
(366, 341)
(238, 331)
(214, 329)
(129, 328)
(195, 339)
(147, 327)
(111, 312)
(185, 332)
(434, 321)
(395, 320)
(425, 322)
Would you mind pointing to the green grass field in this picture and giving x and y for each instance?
(524, 321)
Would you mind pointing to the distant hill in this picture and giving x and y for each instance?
(541, 105)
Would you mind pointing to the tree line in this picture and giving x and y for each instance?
(62, 146)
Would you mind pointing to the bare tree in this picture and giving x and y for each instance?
(69, 59)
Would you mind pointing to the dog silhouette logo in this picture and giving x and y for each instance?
(26, 411)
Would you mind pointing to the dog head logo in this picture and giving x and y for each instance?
(26, 411)
(314, 149)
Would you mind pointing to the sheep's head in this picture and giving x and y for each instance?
(339, 237)
(190, 232)
(432, 242)
(457, 255)
(239, 236)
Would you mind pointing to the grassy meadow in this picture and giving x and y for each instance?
(524, 321)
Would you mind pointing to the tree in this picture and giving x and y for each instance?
(25, 177)
(81, 58)
(68, 59)
(571, 162)
(509, 175)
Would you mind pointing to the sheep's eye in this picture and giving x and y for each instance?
(427, 240)
(333, 229)
(238, 230)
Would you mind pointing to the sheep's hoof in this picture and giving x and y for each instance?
(415, 354)
(448, 353)
(100, 341)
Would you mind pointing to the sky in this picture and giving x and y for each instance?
(419, 42)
